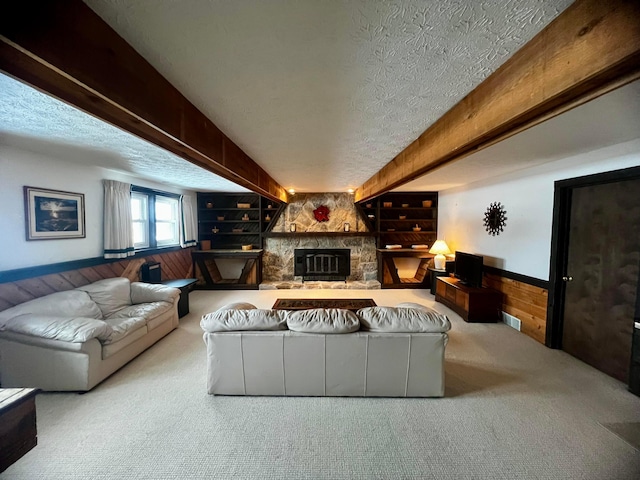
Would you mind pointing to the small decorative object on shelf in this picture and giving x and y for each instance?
(402, 217)
(237, 230)
(393, 247)
(321, 213)
(405, 205)
(346, 226)
(387, 204)
(205, 244)
(244, 205)
(495, 219)
(292, 227)
(267, 218)
(215, 230)
(209, 205)
(245, 217)
(220, 218)
(368, 205)
(427, 203)
(269, 206)
(417, 228)
(247, 247)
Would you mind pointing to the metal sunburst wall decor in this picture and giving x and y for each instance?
(495, 219)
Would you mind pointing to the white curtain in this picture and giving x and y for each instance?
(189, 230)
(118, 229)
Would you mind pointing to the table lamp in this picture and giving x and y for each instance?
(440, 248)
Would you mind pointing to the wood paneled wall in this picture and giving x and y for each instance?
(176, 264)
(526, 302)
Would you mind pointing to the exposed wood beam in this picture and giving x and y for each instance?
(590, 49)
(66, 50)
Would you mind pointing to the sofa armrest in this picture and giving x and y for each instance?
(153, 292)
(66, 329)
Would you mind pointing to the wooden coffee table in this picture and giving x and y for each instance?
(352, 304)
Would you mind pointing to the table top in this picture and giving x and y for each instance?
(352, 304)
(12, 396)
(180, 282)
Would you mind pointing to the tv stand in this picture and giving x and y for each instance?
(472, 304)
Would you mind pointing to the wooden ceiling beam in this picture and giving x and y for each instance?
(66, 50)
(590, 49)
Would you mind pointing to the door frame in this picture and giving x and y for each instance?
(562, 194)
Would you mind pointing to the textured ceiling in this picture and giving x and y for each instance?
(37, 122)
(322, 94)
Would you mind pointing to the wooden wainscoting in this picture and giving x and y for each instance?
(526, 302)
(175, 264)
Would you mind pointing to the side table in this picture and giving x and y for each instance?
(433, 274)
(185, 285)
(17, 424)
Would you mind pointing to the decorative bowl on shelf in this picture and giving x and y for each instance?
(402, 217)
(427, 203)
(220, 218)
(416, 228)
(405, 205)
(247, 247)
(368, 205)
(371, 216)
(237, 230)
(244, 205)
(387, 204)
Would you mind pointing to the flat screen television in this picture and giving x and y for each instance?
(468, 269)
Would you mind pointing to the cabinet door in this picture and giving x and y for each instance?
(462, 300)
(441, 288)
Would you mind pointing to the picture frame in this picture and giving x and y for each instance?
(53, 214)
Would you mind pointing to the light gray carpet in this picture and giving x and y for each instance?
(513, 410)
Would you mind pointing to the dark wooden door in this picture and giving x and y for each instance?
(602, 275)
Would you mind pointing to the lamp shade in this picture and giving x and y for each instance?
(440, 247)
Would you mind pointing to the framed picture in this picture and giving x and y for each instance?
(52, 214)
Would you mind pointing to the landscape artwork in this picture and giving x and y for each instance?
(53, 214)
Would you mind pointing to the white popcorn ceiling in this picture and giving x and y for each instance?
(322, 94)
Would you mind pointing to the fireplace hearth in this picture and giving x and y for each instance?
(328, 264)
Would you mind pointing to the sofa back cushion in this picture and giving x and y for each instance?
(403, 319)
(323, 320)
(73, 303)
(229, 320)
(111, 294)
(66, 329)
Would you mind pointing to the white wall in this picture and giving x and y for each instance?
(527, 195)
(20, 168)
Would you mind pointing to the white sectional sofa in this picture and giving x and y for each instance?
(74, 339)
(378, 351)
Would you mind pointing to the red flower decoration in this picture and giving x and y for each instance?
(321, 213)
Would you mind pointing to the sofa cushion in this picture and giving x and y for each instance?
(323, 320)
(66, 329)
(227, 320)
(144, 310)
(152, 292)
(123, 326)
(403, 319)
(72, 303)
(111, 294)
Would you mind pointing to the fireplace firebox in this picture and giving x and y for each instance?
(330, 264)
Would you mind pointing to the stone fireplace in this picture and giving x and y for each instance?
(279, 263)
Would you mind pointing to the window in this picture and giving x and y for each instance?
(155, 217)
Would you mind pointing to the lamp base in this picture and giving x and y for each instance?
(439, 261)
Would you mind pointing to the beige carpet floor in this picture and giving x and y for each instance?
(513, 409)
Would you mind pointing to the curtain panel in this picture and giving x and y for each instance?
(118, 230)
(189, 230)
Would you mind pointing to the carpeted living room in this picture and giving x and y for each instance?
(320, 239)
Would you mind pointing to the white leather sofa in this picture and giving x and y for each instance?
(74, 339)
(378, 351)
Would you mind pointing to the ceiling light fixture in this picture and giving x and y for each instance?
(292, 191)
(351, 191)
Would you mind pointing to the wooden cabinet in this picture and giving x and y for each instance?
(402, 218)
(231, 220)
(211, 277)
(472, 304)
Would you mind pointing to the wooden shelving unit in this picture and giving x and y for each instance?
(227, 224)
(394, 216)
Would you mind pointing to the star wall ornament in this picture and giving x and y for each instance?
(321, 213)
(495, 219)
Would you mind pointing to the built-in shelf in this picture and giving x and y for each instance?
(318, 234)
